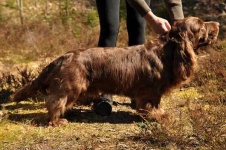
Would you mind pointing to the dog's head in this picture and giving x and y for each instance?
(188, 35)
(211, 31)
(200, 33)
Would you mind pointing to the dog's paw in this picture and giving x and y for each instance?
(58, 122)
(158, 115)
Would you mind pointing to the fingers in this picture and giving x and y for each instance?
(162, 27)
(168, 26)
(165, 26)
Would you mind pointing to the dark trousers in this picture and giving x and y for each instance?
(108, 11)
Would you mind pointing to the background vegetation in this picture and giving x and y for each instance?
(34, 32)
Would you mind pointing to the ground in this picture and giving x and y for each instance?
(25, 126)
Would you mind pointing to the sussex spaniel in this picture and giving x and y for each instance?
(143, 72)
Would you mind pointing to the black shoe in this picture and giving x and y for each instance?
(103, 107)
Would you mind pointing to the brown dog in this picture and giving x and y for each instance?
(143, 72)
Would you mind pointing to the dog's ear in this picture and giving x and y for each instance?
(185, 35)
(184, 58)
(195, 29)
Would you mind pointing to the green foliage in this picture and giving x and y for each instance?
(123, 10)
(11, 4)
(2, 17)
(66, 13)
(92, 17)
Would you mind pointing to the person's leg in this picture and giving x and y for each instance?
(136, 25)
(108, 11)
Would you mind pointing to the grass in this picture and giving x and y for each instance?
(87, 131)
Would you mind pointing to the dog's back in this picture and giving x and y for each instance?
(119, 70)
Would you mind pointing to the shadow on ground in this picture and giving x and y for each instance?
(76, 115)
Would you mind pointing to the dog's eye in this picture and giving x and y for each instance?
(211, 33)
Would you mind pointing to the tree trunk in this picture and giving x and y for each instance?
(20, 7)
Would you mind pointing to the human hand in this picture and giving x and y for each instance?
(159, 25)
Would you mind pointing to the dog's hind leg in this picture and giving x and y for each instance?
(56, 106)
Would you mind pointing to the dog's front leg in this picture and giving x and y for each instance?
(150, 108)
(56, 107)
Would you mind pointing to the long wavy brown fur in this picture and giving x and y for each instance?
(143, 72)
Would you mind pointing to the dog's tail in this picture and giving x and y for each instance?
(25, 92)
(42, 82)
